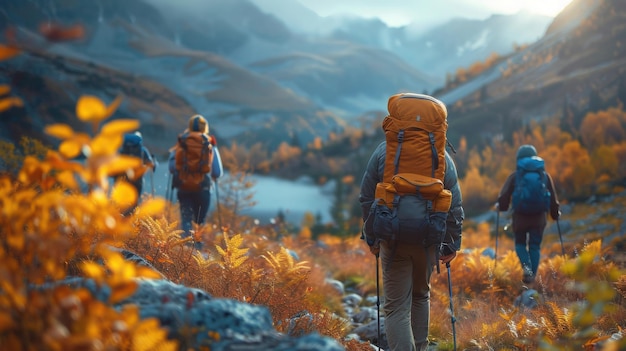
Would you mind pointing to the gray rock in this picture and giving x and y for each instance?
(365, 315)
(339, 286)
(370, 332)
(352, 300)
(371, 300)
(181, 309)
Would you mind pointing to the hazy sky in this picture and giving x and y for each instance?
(402, 12)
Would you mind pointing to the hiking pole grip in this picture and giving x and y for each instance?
(452, 317)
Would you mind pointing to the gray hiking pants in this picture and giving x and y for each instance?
(406, 285)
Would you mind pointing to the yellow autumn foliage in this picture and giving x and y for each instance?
(58, 219)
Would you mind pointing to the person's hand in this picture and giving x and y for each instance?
(448, 258)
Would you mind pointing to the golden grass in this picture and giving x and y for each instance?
(287, 275)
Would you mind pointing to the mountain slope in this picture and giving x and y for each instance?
(249, 73)
(564, 67)
(133, 37)
(444, 48)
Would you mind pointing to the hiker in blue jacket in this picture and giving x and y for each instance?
(133, 146)
(195, 204)
(528, 228)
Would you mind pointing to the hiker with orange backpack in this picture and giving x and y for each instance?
(531, 191)
(195, 165)
(412, 212)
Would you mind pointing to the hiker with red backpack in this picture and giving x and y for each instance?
(195, 165)
(412, 212)
(531, 192)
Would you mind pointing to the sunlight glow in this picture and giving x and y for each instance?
(397, 13)
(545, 7)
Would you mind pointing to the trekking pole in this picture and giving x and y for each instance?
(168, 188)
(558, 227)
(168, 193)
(452, 318)
(217, 203)
(378, 301)
(497, 229)
(152, 181)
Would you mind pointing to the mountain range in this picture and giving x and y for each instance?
(258, 76)
(578, 66)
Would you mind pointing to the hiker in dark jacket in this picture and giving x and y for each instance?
(528, 229)
(149, 163)
(406, 284)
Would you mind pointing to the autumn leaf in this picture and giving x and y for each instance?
(148, 273)
(113, 106)
(91, 109)
(71, 148)
(93, 270)
(68, 180)
(33, 170)
(58, 162)
(124, 195)
(151, 207)
(121, 164)
(103, 145)
(9, 102)
(60, 131)
(119, 127)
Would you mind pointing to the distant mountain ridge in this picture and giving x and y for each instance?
(249, 73)
(582, 56)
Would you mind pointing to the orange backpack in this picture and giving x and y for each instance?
(411, 203)
(194, 156)
(415, 130)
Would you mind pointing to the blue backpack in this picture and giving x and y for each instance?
(531, 195)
